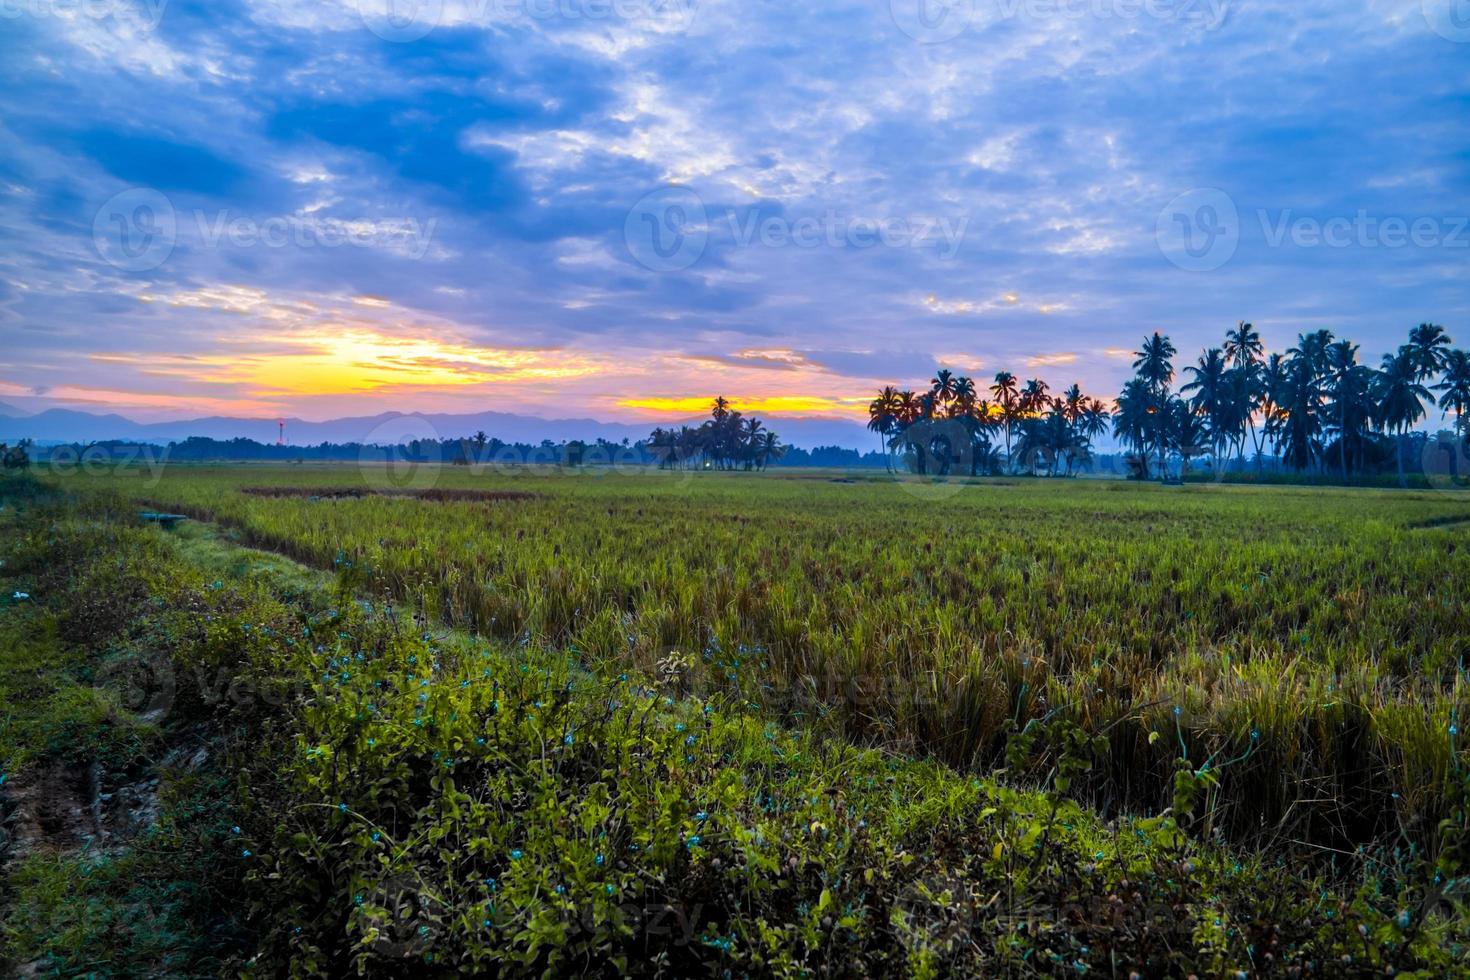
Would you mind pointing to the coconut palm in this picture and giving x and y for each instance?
(1273, 389)
(883, 418)
(1456, 388)
(1243, 345)
(1188, 431)
(1399, 397)
(1428, 345)
(942, 386)
(1034, 397)
(964, 397)
(1155, 368)
(1004, 390)
(1244, 349)
(769, 448)
(1132, 419)
(1154, 364)
(1212, 396)
(1342, 365)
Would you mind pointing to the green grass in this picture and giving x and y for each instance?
(1318, 635)
(401, 798)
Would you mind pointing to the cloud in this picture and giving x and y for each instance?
(523, 139)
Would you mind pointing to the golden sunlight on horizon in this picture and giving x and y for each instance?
(769, 404)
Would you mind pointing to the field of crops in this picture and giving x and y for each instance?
(549, 721)
(1311, 642)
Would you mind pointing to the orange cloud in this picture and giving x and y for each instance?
(326, 362)
(1050, 360)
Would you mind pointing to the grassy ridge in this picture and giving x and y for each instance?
(402, 800)
(1317, 636)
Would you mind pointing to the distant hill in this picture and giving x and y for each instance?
(8, 411)
(67, 425)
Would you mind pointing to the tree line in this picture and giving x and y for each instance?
(953, 428)
(727, 440)
(1315, 406)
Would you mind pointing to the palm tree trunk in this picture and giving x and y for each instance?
(1342, 441)
(1398, 451)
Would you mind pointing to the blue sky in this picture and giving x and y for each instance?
(621, 207)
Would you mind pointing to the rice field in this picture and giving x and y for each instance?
(1308, 643)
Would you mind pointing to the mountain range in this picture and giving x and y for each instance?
(67, 425)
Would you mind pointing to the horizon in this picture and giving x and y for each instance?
(313, 211)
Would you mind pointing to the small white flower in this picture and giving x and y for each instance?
(21, 595)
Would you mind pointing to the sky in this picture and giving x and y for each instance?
(618, 208)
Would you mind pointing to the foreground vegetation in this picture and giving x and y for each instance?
(1317, 637)
(385, 795)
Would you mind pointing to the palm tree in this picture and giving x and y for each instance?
(1132, 419)
(769, 448)
(1211, 395)
(750, 438)
(1456, 388)
(1155, 368)
(1299, 419)
(1243, 348)
(1243, 345)
(1073, 401)
(964, 397)
(1033, 397)
(1398, 394)
(1428, 346)
(1154, 364)
(883, 418)
(942, 386)
(1187, 430)
(1094, 419)
(1273, 388)
(1342, 364)
(1004, 390)
(908, 408)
